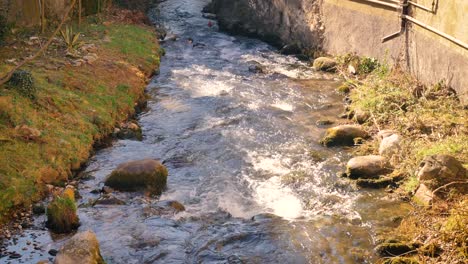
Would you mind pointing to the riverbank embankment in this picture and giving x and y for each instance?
(68, 100)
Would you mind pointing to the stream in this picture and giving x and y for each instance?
(242, 153)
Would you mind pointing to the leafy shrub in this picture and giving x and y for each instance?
(23, 82)
(367, 65)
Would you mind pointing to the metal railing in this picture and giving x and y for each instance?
(402, 7)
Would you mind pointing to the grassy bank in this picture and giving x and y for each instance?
(45, 137)
(431, 121)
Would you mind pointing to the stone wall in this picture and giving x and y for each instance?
(356, 26)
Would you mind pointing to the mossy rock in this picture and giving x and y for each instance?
(148, 175)
(325, 64)
(374, 183)
(61, 215)
(345, 88)
(389, 249)
(343, 135)
(367, 167)
(81, 248)
(400, 260)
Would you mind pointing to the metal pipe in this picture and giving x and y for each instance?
(423, 7)
(387, 4)
(404, 10)
(436, 31)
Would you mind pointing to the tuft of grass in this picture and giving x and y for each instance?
(61, 215)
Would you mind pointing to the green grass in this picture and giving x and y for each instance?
(135, 42)
(74, 107)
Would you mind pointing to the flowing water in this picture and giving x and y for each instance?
(242, 157)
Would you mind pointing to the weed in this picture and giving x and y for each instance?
(70, 39)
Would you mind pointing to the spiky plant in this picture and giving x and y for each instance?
(70, 39)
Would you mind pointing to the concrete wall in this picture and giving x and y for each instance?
(357, 26)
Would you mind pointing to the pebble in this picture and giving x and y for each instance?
(53, 252)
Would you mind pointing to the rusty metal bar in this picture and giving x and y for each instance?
(378, 2)
(431, 10)
(436, 31)
(403, 11)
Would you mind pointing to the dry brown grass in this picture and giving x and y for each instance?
(432, 121)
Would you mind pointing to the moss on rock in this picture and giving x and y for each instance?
(389, 249)
(343, 135)
(149, 175)
(61, 215)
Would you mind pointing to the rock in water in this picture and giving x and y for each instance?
(370, 166)
(82, 248)
(325, 64)
(256, 67)
(343, 135)
(149, 175)
(439, 170)
(61, 215)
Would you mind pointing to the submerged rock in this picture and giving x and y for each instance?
(164, 208)
(371, 166)
(325, 64)
(129, 130)
(380, 182)
(439, 170)
(291, 49)
(343, 135)
(108, 200)
(82, 248)
(149, 175)
(256, 67)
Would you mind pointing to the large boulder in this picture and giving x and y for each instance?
(324, 64)
(371, 166)
(82, 248)
(148, 175)
(343, 135)
(439, 170)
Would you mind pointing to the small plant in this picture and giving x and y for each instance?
(70, 38)
(367, 65)
(23, 82)
(61, 215)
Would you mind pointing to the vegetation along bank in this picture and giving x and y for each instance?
(412, 140)
(55, 109)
